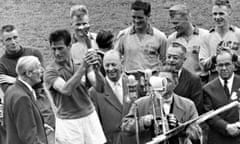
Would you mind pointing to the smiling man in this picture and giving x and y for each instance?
(223, 34)
(142, 45)
(83, 39)
(224, 128)
(112, 105)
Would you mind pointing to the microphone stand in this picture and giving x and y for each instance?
(132, 88)
(136, 117)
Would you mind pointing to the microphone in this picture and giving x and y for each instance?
(132, 89)
(158, 83)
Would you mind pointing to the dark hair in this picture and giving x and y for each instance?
(59, 35)
(104, 39)
(139, 5)
(176, 44)
(7, 28)
(222, 3)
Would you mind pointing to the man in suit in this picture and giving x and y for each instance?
(224, 128)
(189, 85)
(177, 109)
(24, 122)
(112, 105)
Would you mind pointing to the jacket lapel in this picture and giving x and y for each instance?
(26, 89)
(178, 110)
(111, 98)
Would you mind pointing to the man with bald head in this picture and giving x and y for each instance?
(113, 103)
(224, 128)
(189, 85)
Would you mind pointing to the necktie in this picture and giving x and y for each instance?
(226, 88)
(118, 92)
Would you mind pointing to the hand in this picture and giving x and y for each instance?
(233, 129)
(172, 121)
(48, 129)
(92, 58)
(7, 79)
(147, 120)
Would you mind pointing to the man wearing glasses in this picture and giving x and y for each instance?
(224, 128)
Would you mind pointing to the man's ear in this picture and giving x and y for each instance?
(28, 73)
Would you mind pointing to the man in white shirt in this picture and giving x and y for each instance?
(224, 128)
(113, 103)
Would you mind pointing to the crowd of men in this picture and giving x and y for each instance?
(85, 95)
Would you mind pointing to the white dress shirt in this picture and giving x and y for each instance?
(117, 88)
(229, 83)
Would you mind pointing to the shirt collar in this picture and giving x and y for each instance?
(229, 81)
(149, 30)
(112, 84)
(195, 32)
(231, 28)
(28, 86)
(179, 72)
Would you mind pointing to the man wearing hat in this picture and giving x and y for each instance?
(187, 34)
(176, 108)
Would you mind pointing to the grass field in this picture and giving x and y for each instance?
(35, 19)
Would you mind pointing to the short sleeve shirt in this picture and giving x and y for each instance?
(193, 44)
(79, 49)
(230, 39)
(147, 53)
(68, 107)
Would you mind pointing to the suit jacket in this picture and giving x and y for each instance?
(24, 123)
(111, 112)
(189, 86)
(215, 97)
(184, 110)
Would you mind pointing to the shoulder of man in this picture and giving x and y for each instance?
(159, 33)
(123, 33)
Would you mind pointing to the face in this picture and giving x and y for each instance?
(180, 23)
(175, 57)
(171, 84)
(220, 15)
(225, 66)
(11, 41)
(139, 19)
(60, 51)
(80, 25)
(36, 74)
(112, 66)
